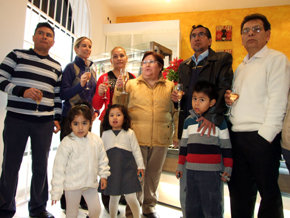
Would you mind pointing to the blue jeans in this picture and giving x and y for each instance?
(15, 136)
(204, 194)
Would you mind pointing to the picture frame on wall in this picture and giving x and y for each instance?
(224, 33)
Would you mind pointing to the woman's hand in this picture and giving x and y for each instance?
(102, 89)
(174, 96)
(119, 82)
(53, 202)
(84, 78)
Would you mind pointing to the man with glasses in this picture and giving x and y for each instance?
(31, 78)
(205, 64)
(262, 83)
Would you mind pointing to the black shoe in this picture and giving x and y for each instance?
(43, 214)
(151, 215)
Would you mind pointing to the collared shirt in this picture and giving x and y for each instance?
(262, 83)
(200, 57)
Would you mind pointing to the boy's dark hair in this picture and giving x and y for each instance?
(44, 24)
(127, 120)
(207, 88)
(82, 108)
(266, 23)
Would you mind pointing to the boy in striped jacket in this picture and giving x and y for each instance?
(208, 159)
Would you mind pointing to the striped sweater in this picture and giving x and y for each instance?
(203, 153)
(24, 69)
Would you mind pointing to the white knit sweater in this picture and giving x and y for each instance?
(77, 164)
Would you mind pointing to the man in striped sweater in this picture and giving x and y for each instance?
(31, 78)
(208, 159)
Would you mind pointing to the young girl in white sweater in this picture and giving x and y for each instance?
(79, 160)
(125, 160)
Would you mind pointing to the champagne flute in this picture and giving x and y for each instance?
(125, 79)
(106, 83)
(38, 100)
(87, 69)
(179, 89)
(233, 97)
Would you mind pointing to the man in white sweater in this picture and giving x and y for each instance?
(262, 83)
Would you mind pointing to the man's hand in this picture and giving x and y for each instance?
(33, 93)
(56, 126)
(206, 124)
(103, 183)
(227, 97)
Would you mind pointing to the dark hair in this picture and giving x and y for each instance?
(266, 24)
(207, 88)
(81, 108)
(158, 57)
(207, 32)
(127, 120)
(44, 24)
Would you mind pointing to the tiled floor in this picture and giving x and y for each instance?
(168, 194)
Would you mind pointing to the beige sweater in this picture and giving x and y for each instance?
(151, 110)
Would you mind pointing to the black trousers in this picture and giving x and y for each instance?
(255, 168)
(15, 136)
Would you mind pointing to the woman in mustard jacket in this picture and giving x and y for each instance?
(153, 114)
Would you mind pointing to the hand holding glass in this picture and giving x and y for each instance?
(88, 70)
(38, 99)
(124, 75)
(106, 83)
(233, 97)
(179, 89)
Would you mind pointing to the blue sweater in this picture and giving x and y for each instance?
(71, 89)
(24, 69)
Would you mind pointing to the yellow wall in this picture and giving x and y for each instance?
(278, 16)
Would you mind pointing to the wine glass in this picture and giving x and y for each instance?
(125, 79)
(106, 83)
(88, 69)
(233, 97)
(179, 88)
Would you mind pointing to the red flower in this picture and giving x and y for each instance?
(171, 72)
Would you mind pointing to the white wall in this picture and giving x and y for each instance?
(12, 19)
(99, 12)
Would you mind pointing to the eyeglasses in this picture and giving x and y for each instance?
(148, 62)
(255, 29)
(200, 34)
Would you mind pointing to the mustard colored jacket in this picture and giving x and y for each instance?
(151, 110)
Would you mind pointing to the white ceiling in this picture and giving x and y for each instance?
(139, 7)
